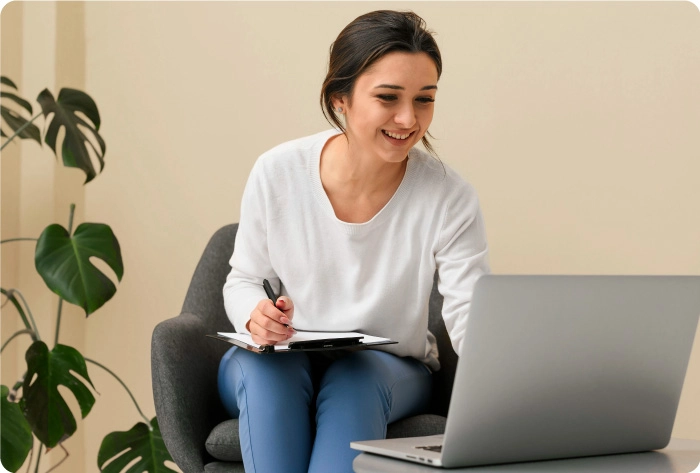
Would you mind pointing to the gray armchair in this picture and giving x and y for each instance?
(199, 434)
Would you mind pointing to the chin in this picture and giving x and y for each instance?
(395, 157)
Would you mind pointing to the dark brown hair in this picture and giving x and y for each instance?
(364, 41)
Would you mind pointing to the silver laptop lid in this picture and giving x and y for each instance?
(565, 366)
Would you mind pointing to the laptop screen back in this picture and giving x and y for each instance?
(564, 366)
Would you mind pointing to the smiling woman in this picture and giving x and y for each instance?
(582, 149)
(388, 112)
(362, 42)
(393, 99)
(362, 216)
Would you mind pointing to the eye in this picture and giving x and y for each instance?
(425, 99)
(387, 97)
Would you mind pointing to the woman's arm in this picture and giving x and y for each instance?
(247, 305)
(461, 259)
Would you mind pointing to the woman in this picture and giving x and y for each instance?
(350, 226)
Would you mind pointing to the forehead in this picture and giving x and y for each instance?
(402, 66)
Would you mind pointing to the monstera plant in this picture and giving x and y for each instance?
(34, 406)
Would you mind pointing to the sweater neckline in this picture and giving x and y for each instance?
(325, 203)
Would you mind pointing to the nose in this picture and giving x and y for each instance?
(405, 115)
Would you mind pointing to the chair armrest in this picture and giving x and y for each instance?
(184, 365)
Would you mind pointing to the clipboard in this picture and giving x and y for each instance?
(306, 341)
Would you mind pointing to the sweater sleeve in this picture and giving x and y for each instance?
(462, 258)
(250, 262)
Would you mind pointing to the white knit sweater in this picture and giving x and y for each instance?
(374, 277)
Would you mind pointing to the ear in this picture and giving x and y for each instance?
(340, 101)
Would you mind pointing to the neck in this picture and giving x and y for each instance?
(357, 170)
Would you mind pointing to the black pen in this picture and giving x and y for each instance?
(271, 294)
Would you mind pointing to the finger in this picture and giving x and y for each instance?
(272, 319)
(286, 305)
(268, 336)
(266, 308)
(273, 312)
(277, 313)
(270, 324)
(262, 341)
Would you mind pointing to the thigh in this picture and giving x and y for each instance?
(262, 379)
(358, 396)
(402, 385)
(271, 396)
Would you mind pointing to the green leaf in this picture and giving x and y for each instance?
(18, 100)
(16, 121)
(121, 448)
(16, 434)
(75, 144)
(7, 81)
(64, 263)
(13, 119)
(44, 408)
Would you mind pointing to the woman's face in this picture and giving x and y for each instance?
(392, 105)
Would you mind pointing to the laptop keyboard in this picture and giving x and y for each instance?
(431, 448)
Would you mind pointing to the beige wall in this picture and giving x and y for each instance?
(42, 46)
(576, 121)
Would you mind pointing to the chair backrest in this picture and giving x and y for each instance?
(444, 378)
(184, 362)
(205, 298)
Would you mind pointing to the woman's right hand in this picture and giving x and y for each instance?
(270, 323)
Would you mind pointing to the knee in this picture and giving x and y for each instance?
(251, 367)
(375, 380)
(362, 369)
(284, 377)
(356, 380)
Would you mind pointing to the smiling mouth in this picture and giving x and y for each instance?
(397, 136)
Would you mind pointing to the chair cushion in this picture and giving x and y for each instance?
(224, 467)
(416, 426)
(224, 443)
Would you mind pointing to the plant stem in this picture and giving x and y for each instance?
(16, 334)
(31, 456)
(62, 460)
(148, 422)
(60, 300)
(70, 218)
(20, 382)
(29, 313)
(38, 458)
(11, 297)
(20, 130)
(58, 320)
(18, 239)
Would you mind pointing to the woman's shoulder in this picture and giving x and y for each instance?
(304, 146)
(290, 158)
(438, 176)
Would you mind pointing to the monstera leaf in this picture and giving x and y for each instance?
(63, 261)
(16, 434)
(75, 144)
(44, 408)
(121, 448)
(13, 119)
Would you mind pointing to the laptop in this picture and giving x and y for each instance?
(563, 366)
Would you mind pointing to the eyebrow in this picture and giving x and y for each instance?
(398, 87)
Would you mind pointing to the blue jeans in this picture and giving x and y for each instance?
(298, 412)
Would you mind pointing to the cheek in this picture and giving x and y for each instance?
(370, 120)
(427, 114)
(425, 120)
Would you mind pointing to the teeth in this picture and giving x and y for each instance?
(396, 136)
